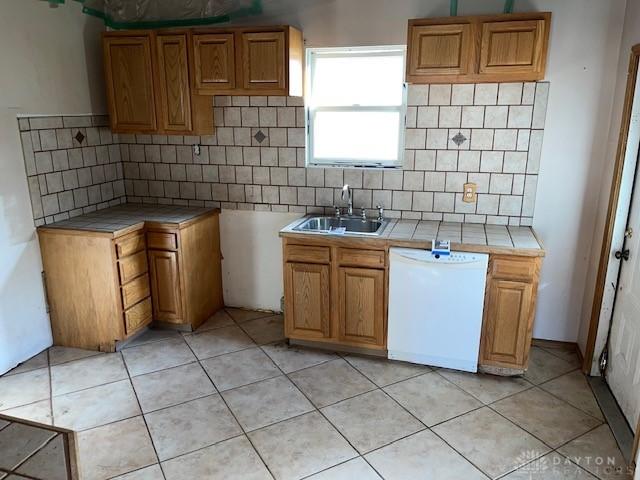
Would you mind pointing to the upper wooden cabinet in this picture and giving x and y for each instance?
(149, 84)
(441, 49)
(173, 82)
(129, 79)
(248, 61)
(263, 61)
(214, 62)
(518, 47)
(498, 48)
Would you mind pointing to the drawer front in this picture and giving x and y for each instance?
(514, 269)
(361, 258)
(138, 316)
(135, 291)
(162, 240)
(129, 245)
(132, 266)
(307, 254)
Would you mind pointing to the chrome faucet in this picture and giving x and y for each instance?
(346, 190)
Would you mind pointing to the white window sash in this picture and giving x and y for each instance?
(312, 109)
(369, 162)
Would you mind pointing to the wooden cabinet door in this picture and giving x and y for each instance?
(508, 319)
(263, 61)
(362, 293)
(517, 47)
(439, 50)
(214, 62)
(173, 83)
(165, 286)
(129, 79)
(307, 301)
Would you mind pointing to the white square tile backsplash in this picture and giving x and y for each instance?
(488, 134)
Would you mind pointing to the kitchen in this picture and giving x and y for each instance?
(166, 215)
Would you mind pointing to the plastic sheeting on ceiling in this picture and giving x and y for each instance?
(121, 14)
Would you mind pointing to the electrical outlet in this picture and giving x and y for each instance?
(469, 193)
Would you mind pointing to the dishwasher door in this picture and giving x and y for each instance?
(435, 307)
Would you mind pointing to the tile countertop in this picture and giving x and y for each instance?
(471, 237)
(123, 218)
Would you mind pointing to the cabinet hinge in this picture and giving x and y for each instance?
(46, 292)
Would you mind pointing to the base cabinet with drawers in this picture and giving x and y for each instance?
(336, 293)
(102, 288)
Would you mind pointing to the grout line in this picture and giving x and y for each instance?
(234, 415)
(50, 388)
(142, 414)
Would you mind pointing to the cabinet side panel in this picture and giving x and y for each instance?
(202, 272)
(296, 62)
(82, 287)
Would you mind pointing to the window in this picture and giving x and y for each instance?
(356, 106)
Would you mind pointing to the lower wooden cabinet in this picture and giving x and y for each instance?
(509, 312)
(361, 304)
(335, 295)
(165, 285)
(336, 292)
(308, 302)
(104, 287)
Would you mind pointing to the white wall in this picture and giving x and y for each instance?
(630, 37)
(51, 63)
(585, 41)
(252, 258)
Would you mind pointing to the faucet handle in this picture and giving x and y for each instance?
(338, 210)
(380, 211)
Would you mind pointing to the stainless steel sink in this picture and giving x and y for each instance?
(352, 225)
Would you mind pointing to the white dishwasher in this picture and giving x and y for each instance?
(435, 307)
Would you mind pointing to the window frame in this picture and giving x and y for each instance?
(310, 110)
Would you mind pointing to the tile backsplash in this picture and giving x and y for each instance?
(73, 166)
(488, 134)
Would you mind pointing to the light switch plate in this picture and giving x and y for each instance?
(469, 193)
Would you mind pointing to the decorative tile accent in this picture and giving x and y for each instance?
(259, 136)
(459, 138)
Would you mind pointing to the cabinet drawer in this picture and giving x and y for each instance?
(162, 240)
(129, 245)
(138, 315)
(514, 269)
(361, 258)
(302, 253)
(135, 291)
(132, 266)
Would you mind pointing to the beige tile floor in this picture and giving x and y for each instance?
(232, 401)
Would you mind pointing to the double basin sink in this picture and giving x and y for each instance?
(342, 225)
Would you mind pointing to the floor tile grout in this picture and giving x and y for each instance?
(235, 417)
(144, 419)
(314, 407)
(334, 426)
